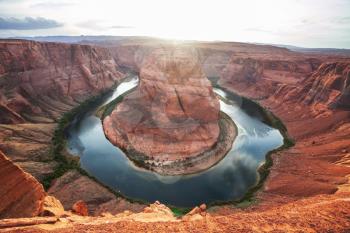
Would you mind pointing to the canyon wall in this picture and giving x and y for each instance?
(312, 101)
(329, 85)
(40, 81)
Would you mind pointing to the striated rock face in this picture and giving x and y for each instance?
(20, 194)
(40, 81)
(174, 112)
(330, 85)
(262, 75)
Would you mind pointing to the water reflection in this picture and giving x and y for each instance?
(227, 180)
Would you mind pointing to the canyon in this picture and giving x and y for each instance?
(307, 189)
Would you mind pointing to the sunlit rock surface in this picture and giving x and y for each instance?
(173, 114)
(21, 195)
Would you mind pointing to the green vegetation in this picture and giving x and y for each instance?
(178, 212)
(58, 143)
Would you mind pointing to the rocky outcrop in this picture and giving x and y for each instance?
(52, 207)
(330, 85)
(80, 208)
(173, 115)
(21, 195)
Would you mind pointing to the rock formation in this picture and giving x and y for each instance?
(21, 195)
(172, 116)
(261, 75)
(329, 85)
(40, 81)
(52, 207)
(80, 208)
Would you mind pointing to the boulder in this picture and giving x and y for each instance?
(52, 207)
(21, 194)
(80, 208)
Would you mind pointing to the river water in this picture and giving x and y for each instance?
(227, 180)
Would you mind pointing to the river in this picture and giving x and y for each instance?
(228, 180)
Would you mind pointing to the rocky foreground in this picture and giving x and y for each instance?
(171, 121)
(308, 188)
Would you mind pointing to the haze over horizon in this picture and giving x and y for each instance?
(305, 23)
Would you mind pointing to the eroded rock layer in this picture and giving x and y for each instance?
(20, 194)
(40, 81)
(172, 115)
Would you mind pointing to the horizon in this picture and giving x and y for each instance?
(35, 38)
(310, 25)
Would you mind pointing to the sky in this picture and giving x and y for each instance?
(306, 23)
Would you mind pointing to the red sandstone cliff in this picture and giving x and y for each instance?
(20, 194)
(329, 85)
(40, 81)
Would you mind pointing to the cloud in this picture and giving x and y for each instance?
(27, 23)
(341, 20)
(91, 24)
(100, 25)
(253, 29)
(121, 27)
(52, 4)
